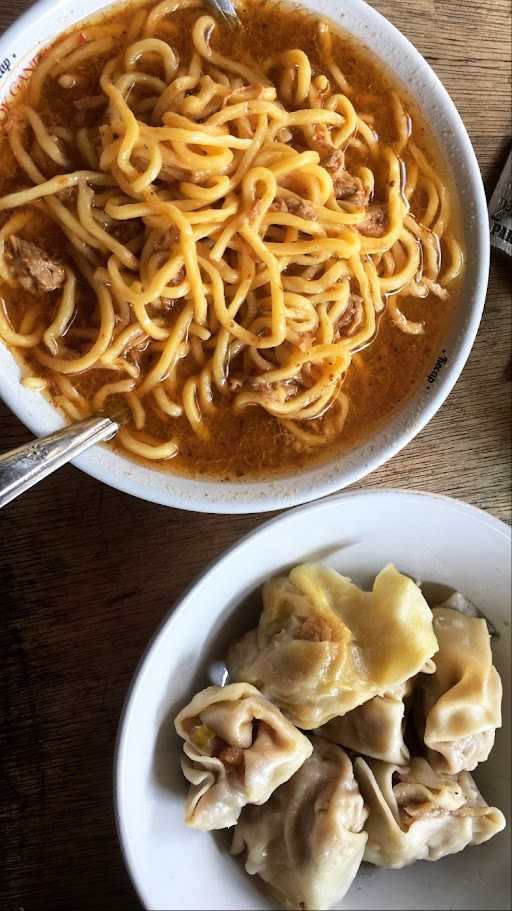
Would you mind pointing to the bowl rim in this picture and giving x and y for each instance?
(216, 565)
(255, 496)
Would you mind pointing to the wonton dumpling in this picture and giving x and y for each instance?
(324, 646)
(424, 815)
(375, 728)
(238, 749)
(459, 706)
(307, 841)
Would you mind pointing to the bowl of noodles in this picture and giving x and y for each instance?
(248, 239)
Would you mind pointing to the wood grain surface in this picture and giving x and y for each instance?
(87, 573)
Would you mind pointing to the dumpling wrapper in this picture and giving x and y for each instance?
(459, 707)
(375, 728)
(307, 841)
(324, 646)
(238, 749)
(424, 815)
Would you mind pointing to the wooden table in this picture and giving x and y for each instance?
(87, 573)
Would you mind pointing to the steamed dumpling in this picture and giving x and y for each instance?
(307, 841)
(324, 646)
(375, 728)
(238, 749)
(418, 814)
(459, 706)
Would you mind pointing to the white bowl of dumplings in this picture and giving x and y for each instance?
(347, 665)
(338, 746)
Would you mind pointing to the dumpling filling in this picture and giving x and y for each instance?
(238, 748)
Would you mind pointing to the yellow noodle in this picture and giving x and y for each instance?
(188, 251)
(132, 335)
(429, 174)
(51, 188)
(170, 352)
(152, 46)
(153, 451)
(300, 62)
(36, 383)
(310, 438)
(111, 389)
(192, 411)
(77, 58)
(17, 339)
(412, 263)
(137, 410)
(201, 32)
(70, 408)
(164, 402)
(411, 181)
(107, 242)
(342, 105)
(86, 149)
(47, 63)
(29, 319)
(403, 124)
(456, 259)
(325, 40)
(430, 247)
(70, 392)
(106, 328)
(401, 321)
(165, 8)
(63, 316)
(47, 142)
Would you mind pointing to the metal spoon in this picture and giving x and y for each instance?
(226, 11)
(23, 467)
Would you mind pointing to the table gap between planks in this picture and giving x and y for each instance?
(87, 573)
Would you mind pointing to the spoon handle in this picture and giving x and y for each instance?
(23, 467)
(226, 10)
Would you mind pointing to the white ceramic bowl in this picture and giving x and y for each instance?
(434, 539)
(48, 18)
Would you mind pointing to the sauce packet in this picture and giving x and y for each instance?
(500, 210)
